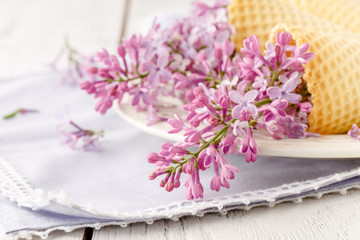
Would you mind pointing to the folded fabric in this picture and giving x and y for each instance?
(58, 188)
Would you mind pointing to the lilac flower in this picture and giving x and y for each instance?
(133, 45)
(293, 129)
(177, 123)
(251, 46)
(227, 170)
(194, 189)
(283, 38)
(88, 138)
(274, 129)
(140, 94)
(300, 56)
(305, 107)
(158, 72)
(286, 90)
(354, 132)
(275, 110)
(207, 157)
(179, 62)
(154, 47)
(260, 83)
(248, 147)
(239, 128)
(226, 94)
(250, 68)
(20, 111)
(227, 146)
(243, 102)
(182, 81)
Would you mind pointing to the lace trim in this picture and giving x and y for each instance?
(28, 234)
(15, 187)
(244, 200)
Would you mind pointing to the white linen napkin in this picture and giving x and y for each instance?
(58, 188)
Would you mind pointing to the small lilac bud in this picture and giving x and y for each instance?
(92, 70)
(153, 157)
(198, 91)
(121, 51)
(213, 121)
(305, 107)
(218, 53)
(152, 176)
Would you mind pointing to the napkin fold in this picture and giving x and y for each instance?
(47, 186)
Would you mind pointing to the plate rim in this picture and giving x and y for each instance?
(267, 146)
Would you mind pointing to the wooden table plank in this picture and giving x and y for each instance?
(332, 217)
(61, 235)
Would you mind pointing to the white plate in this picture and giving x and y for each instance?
(325, 146)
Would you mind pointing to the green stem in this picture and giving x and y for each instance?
(262, 102)
(11, 115)
(213, 79)
(221, 132)
(137, 77)
(275, 75)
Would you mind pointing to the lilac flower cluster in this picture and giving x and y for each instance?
(165, 62)
(260, 91)
(88, 138)
(227, 94)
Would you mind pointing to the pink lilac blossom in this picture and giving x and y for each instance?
(79, 138)
(354, 132)
(227, 94)
(222, 115)
(164, 62)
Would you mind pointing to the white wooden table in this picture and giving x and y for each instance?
(31, 34)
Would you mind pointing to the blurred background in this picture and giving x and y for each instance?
(32, 32)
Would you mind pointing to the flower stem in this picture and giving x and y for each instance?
(221, 132)
(11, 115)
(262, 102)
(217, 81)
(275, 76)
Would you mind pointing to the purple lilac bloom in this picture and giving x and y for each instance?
(243, 102)
(227, 95)
(88, 138)
(286, 90)
(354, 132)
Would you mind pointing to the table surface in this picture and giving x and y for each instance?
(32, 33)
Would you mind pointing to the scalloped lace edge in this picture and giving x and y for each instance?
(17, 189)
(29, 234)
(194, 207)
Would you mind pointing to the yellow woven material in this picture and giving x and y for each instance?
(333, 79)
(345, 13)
(261, 16)
(333, 76)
